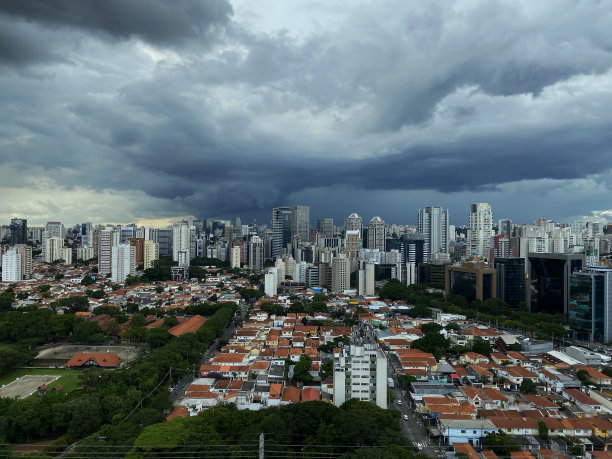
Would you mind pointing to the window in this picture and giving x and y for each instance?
(463, 431)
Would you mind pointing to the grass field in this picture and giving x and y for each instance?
(67, 378)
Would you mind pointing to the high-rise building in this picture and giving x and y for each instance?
(52, 249)
(150, 253)
(281, 229)
(11, 266)
(67, 255)
(549, 277)
(180, 239)
(138, 243)
(473, 280)
(376, 234)
(123, 262)
(480, 230)
(510, 280)
(354, 223)
(105, 245)
(590, 304)
(325, 226)
(235, 256)
(163, 236)
(19, 231)
(352, 243)
(341, 273)
(56, 229)
(256, 253)
(433, 224)
(366, 278)
(360, 372)
(300, 223)
(504, 226)
(26, 260)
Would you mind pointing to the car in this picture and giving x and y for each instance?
(405, 417)
(399, 402)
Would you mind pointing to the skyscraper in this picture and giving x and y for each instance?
(590, 304)
(56, 229)
(325, 226)
(281, 229)
(354, 223)
(480, 230)
(19, 231)
(300, 223)
(376, 234)
(151, 253)
(433, 224)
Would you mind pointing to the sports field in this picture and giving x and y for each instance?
(26, 385)
(13, 384)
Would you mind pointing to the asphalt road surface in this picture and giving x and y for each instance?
(413, 427)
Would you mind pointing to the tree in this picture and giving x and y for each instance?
(87, 280)
(453, 326)
(583, 376)
(500, 443)
(542, 430)
(390, 396)
(431, 328)
(607, 371)
(301, 371)
(528, 387)
(405, 380)
(481, 346)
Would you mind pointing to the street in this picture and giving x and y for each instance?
(412, 427)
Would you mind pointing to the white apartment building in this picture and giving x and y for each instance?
(11, 266)
(235, 257)
(360, 371)
(341, 273)
(53, 249)
(480, 231)
(123, 262)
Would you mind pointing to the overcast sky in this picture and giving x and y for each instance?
(151, 110)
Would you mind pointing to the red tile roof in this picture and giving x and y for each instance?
(105, 360)
(191, 325)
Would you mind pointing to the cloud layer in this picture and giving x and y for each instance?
(217, 109)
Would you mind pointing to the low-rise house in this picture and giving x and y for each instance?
(90, 359)
(470, 431)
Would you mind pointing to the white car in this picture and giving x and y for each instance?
(405, 417)
(399, 402)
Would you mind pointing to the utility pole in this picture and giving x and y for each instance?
(261, 446)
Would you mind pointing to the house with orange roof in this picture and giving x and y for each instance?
(480, 373)
(310, 394)
(466, 449)
(89, 359)
(596, 377)
(291, 394)
(179, 411)
(516, 426)
(473, 357)
(232, 359)
(274, 397)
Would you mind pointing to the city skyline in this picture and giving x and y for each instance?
(233, 108)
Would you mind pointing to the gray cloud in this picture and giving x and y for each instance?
(156, 21)
(399, 97)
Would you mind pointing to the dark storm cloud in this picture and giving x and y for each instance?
(376, 105)
(156, 21)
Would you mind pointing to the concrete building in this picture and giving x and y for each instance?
(354, 223)
(56, 229)
(590, 304)
(52, 249)
(325, 227)
(180, 240)
(138, 244)
(256, 253)
(235, 256)
(123, 262)
(360, 372)
(366, 278)
(11, 266)
(85, 253)
(473, 280)
(67, 255)
(341, 274)
(352, 243)
(26, 260)
(480, 231)
(105, 246)
(433, 223)
(150, 253)
(270, 282)
(376, 234)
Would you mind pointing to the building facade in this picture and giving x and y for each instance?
(590, 304)
(433, 223)
(480, 230)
